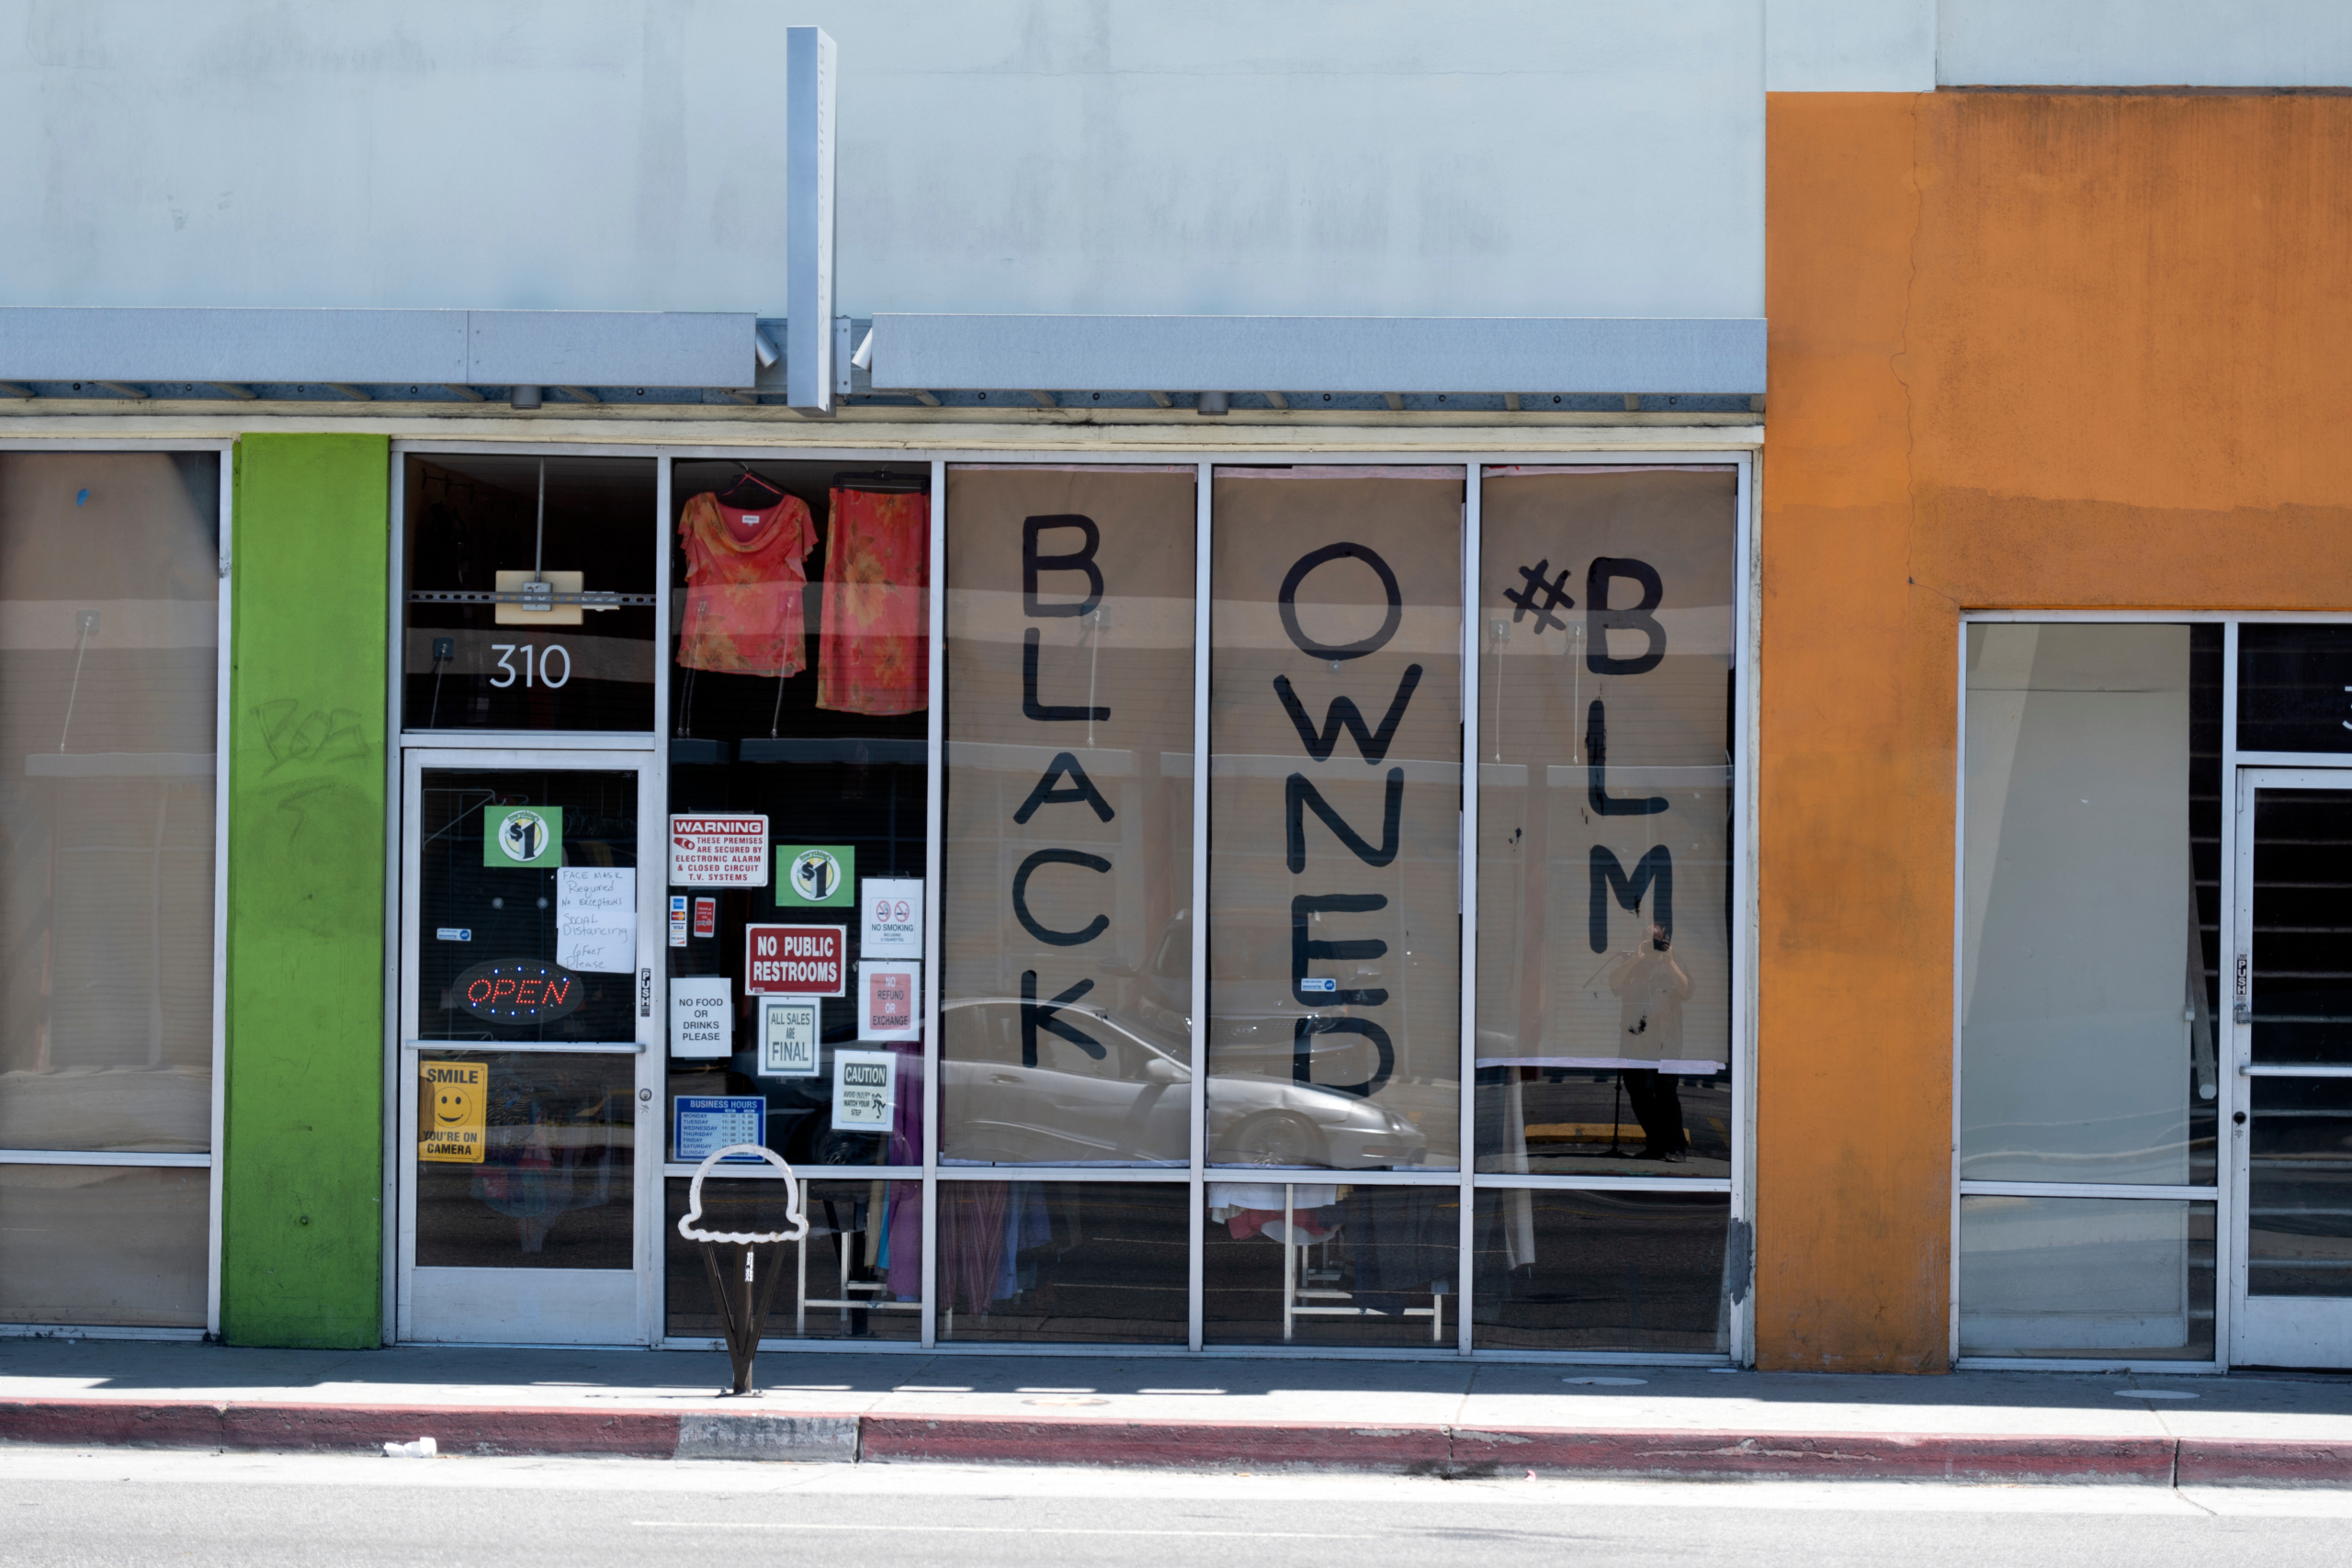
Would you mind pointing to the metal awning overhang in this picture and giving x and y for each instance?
(910, 354)
(1711, 356)
(652, 348)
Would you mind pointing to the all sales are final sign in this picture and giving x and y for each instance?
(795, 961)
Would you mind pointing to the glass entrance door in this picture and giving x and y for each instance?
(2291, 1128)
(527, 1012)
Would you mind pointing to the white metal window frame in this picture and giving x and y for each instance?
(211, 1160)
(1107, 449)
(2229, 1266)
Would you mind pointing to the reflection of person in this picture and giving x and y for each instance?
(1651, 985)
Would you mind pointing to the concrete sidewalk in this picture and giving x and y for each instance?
(1418, 1417)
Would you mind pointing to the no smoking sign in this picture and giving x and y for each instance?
(891, 907)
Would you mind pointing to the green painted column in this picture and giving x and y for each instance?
(302, 1218)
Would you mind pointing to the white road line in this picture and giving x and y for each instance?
(975, 1530)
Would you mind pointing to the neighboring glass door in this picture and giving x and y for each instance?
(2291, 1130)
(527, 1012)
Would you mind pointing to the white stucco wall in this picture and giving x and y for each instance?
(1849, 46)
(2139, 43)
(1910, 46)
(1552, 157)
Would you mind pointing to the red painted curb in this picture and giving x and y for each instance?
(1850, 1456)
(1250, 1445)
(2263, 1461)
(1191, 1445)
(639, 1434)
(111, 1422)
(343, 1428)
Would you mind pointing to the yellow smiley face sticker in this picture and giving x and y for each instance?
(451, 1105)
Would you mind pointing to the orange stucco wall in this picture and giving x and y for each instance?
(2028, 349)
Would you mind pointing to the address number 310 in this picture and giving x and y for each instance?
(538, 664)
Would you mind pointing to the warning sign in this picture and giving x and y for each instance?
(451, 1111)
(795, 961)
(719, 851)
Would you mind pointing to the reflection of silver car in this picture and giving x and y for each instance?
(1131, 1105)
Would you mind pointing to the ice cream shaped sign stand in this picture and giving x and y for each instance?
(741, 1298)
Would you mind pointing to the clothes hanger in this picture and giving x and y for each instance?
(748, 476)
(881, 482)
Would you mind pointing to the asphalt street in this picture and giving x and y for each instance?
(135, 1506)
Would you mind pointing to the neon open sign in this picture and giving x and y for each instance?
(517, 990)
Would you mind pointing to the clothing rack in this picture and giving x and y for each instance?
(881, 482)
(1307, 1290)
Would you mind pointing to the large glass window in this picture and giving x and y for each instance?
(1604, 821)
(1031, 1262)
(798, 775)
(2295, 687)
(2089, 979)
(1602, 1271)
(1335, 796)
(147, 1272)
(110, 605)
(2088, 911)
(2073, 1276)
(1323, 1118)
(856, 1275)
(1065, 1017)
(1331, 1263)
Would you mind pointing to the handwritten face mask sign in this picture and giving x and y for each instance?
(863, 1084)
(596, 919)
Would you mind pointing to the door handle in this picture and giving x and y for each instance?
(2241, 1012)
(1004, 1077)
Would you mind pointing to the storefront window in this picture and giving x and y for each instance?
(1325, 1102)
(2089, 903)
(2299, 1238)
(510, 957)
(1604, 821)
(553, 1185)
(1034, 1262)
(1602, 1271)
(1326, 1263)
(856, 1275)
(528, 590)
(1065, 1017)
(109, 611)
(799, 716)
(2073, 1276)
(1334, 717)
(150, 1273)
(2294, 687)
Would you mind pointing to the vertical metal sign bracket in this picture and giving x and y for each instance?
(742, 1300)
(808, 219)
